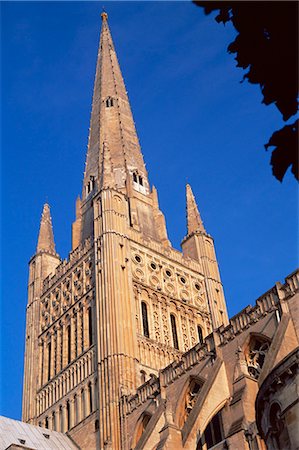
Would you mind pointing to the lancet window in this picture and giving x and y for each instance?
(69, 344)
(142, 426)
(90, 326)
(137, 179)
(200, 337)
(90, 185)
(174, 332)
(278, 436)
(145, 319)
(90, 397)
(213, 433)
(109, 102)
(68, 415)
(142, 376)
(49, 361)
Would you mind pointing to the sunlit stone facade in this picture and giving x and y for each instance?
(128, 342)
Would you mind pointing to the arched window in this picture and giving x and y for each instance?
(255, 355)
(54, 421)
(90, 326)
(49, 361)
(190, 400)
(69, 344)
(90, 396)
(82, 330)
(90, 185)
(278, 436)
(68, 415)
(213, 433)
(142, 376)
(145, 319)
(60, 419)
(46, 422)
(82, 404)
(137, 178)
(199, 331)
(194, 389)
(141, 427)
(174, 332)
(75, 410)
(109, 102)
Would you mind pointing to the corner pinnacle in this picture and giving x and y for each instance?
(194, 222)
(46, 237)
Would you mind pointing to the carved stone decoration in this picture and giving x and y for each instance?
(156, 322)
(165, 328)
(185, 295)
(256, 356)
(154, 281)
(192, 333)
(139, 274)
(170, 288)
(184, 333)
(199, 302)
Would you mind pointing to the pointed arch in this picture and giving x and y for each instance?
(199, 333)
(175, 339)
(213, 432)
(140, 427)
(192, 385)
(145, 323)
(255, 350)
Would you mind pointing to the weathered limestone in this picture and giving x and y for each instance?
(128, 342)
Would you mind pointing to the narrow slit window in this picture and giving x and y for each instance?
(90, 326)
(90, 396)
(135, 178)
(145, 319)
(140, 180)
(69, 344)
(174, 332)
(199, 331)
(68, 413)
(109, 102)
(49, 361)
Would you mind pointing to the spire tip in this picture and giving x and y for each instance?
(104, 16)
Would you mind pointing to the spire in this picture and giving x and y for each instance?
(111, 121)
(45, 237)
(194, 222)
(107, 178)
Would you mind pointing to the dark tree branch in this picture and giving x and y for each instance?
(267, 47)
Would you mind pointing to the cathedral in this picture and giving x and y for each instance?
(128, 341)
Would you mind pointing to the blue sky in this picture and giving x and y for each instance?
(196, 123)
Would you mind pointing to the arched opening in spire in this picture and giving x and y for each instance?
(109, 102)
(138, 182)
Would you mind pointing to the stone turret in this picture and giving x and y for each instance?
(199, 245)
(41, 265)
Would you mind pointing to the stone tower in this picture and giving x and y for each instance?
(125, 304)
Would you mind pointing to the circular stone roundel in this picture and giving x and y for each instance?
(154, 280)
(139, 273)
(184, 295)
(169, 287)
